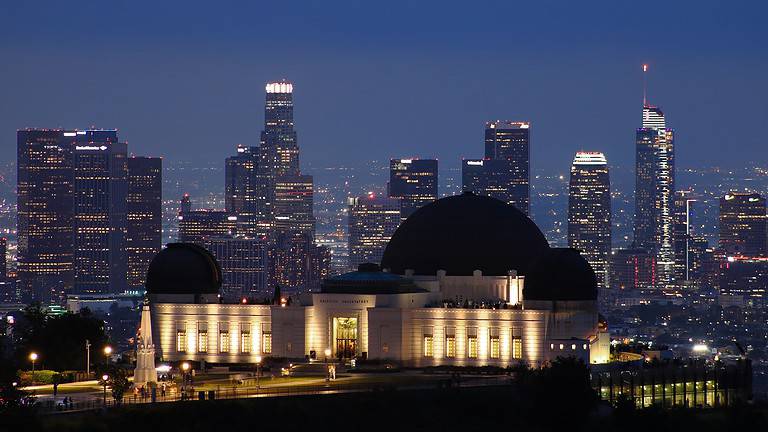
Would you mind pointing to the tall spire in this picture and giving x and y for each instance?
(145, 351)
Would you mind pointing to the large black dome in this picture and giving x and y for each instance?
(463, 233)
(183, 268)
(561, 274)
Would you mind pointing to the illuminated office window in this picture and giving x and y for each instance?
(266, 343)
(472, 346)
(450, 346)
(517, 348)
(429, 346)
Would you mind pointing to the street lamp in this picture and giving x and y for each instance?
(258, 372)
(327, 371)
(104, 379)
(88, 358)
(107, 352)
(184, 368)
(33, 357)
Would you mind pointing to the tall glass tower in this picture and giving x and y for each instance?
(100, 189)
(372, 221)
(278, 150)
(413, 182)
(683, 235)
(589, 212)
(144, 202)
(655, 190)
(743, 225)
(241, 192)
(278, 139)
(284, 201)
(511, 141)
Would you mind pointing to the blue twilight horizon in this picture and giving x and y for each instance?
(185, 80)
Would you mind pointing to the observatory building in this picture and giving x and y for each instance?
(465, 280)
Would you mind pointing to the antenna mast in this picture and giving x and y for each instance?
(645, 85)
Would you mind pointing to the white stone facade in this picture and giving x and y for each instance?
(413, 329)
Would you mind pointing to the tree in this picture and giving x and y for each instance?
(559, 390)
(119, 383)
(624, 406)
(59, 340)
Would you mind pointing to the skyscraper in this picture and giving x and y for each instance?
(489, 177)
(196, 226)
(241, 194)
(289, 260)
(3, 259)
(372, 221)
(279, 137)
(278, 150)
(682, 235)
(100, 188)
(510, 141)
(746, 277)
(244, 265)
(743, 225)
(7, 285)
(702, 266)
(632, 269)
(284, 195)
(143, 238)
(413, 182)
(589, 212)
(44, 222)
(294, 203)
(319, 264)
(654, 191)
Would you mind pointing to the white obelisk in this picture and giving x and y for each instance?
(145, 351)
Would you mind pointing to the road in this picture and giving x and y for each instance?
(89, 394)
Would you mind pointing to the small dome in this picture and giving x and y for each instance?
(183, 268)
(464, 233)
(561, 274)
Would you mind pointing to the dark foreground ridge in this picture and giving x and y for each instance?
(456, 409)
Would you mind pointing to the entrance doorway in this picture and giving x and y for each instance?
(345, 337)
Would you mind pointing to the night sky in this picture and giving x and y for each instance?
(185, 79)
